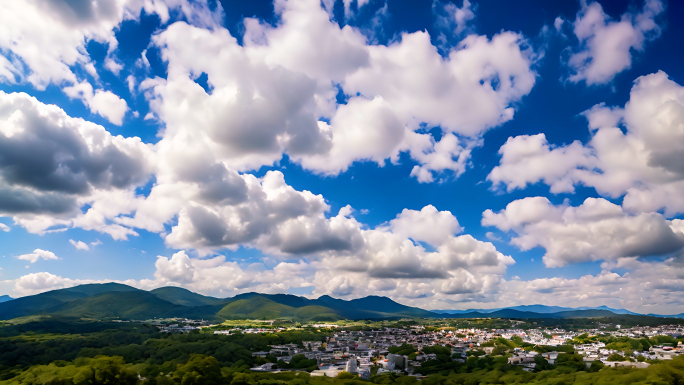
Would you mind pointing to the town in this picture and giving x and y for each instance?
(405, 350)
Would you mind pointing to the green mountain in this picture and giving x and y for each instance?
(112, 300)
(52, 301)
(260, 307)
(119, 304)
(373, 307)
(37, 304)
(98, 288)
(184, 297)
(108, 301)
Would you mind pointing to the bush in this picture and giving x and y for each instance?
(345, 376)
(616, 357)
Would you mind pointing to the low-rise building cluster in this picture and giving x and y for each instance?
(367, 352)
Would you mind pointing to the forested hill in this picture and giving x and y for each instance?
(114, 300)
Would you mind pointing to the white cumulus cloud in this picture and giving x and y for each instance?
(80, 245)
(53, 164)
(37, 255)
(635, 151)
(276, 94)
(103, 103)
(594, 231)
(605, 45)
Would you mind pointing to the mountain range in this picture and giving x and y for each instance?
(114, 300)
(5, 298)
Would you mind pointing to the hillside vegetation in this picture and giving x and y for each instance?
(116, 301)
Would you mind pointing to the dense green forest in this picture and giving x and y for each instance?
(67, 351)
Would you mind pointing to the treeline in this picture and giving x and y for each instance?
(37, 343)
(206, 370)
(43, 342)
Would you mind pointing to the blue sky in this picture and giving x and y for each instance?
(446, 154)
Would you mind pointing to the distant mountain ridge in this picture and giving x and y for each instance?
(540, 309)
(114, 300)
(5, 298)
(513, 313)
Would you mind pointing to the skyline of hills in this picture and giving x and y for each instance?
(113, 300)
